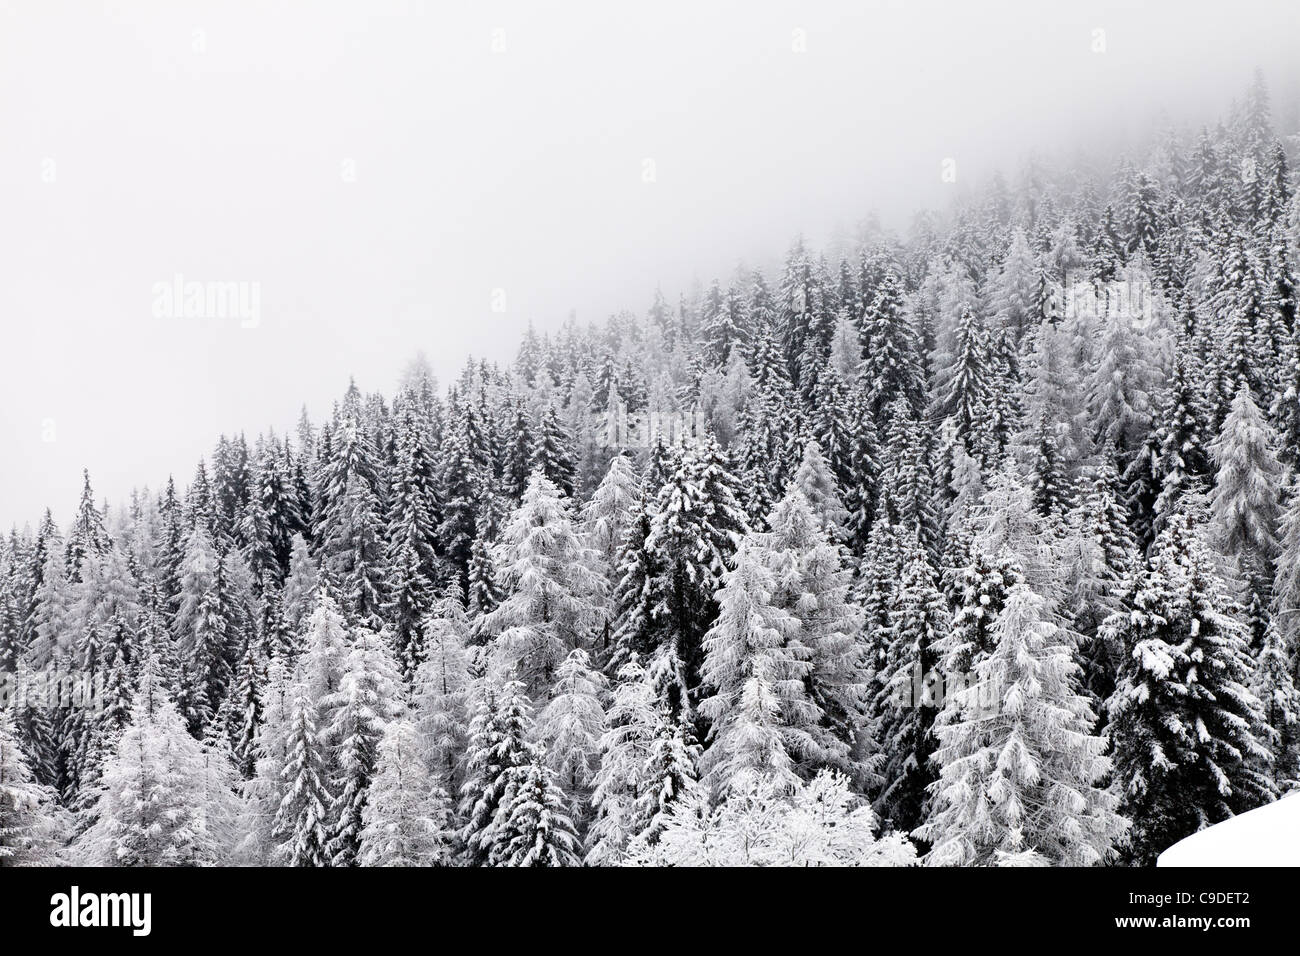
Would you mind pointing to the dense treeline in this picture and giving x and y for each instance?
(978, 547)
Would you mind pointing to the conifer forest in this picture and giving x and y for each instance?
(975, 543)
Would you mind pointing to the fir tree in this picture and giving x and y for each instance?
(406, 818)
(28, 826)
(1183, 724)
(534, 827)
(551, 593)
(571, 725)
(758, 706)
(301, 821)
(498, 747)
(1020, 770)
(552, 455)
(441, 695)
(370, 691)
(1245, 505)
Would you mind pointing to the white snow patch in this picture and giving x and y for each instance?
(1267, 836)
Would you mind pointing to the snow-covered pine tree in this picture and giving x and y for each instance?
(966, 399)
(1286, 584)
(88, 535)
(263, 792)
(1184, 460)
(919, 621)
(1098, 554)
(552, 454)
(610, 512)
(1020, 770)
(498, 747)
(625, 751)
(669, 773)
(1245, 505)
(571, 725)
(1048, 481)
(350, 531)
(533, 826)
(636, 577)
(298, 596)
(440, 699)
(406, 819)
(371, 695)
(34, 723)
(1014, 292)
(822, 823)
(694, 529)
(978, 592)
(301, 825)
(893, 368)
(200, 629)
(51, 624)
(153, 804)
(1120, 386)
(820, 490)
(862, 489)
(245, 706)
(552, 595)
(1185, 729)
(1273, 682)
(813, 586)
(325, 643)
(614, 507)
(29, 827)
(412, 533)
(758, 702)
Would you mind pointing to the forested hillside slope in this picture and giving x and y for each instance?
(975, 546)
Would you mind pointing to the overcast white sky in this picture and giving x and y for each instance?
(141, 140)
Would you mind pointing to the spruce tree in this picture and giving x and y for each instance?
(28, 826)
(88, 535)
(552, 454)
(1245, 505)
(1020, 770)
(552, 595)
(919, 622)
(371, 695)
(301, 825)
(406, 818)
(758, 702)
(1184, 726)
(694, 530)
(498, 747)
(441, 697)
(534, 827)
(572, 723)
(351, 529)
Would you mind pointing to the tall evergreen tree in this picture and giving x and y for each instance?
(1183, 724)
(1021, 771)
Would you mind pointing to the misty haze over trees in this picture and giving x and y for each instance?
(975, 547)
